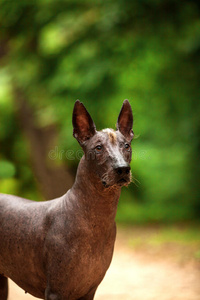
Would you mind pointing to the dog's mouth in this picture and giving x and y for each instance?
(121, 182)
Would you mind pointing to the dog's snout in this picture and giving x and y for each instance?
(122, 170)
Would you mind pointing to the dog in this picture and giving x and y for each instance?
(61, 249)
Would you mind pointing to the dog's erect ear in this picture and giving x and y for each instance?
(84, 127)
(125, 121)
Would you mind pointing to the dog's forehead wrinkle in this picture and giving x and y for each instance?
(98, 138)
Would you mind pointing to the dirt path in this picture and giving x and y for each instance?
(143, 274)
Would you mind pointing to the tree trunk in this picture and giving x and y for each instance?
(53, 180)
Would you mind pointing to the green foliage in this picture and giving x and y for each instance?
(103, 52)
(7, 169)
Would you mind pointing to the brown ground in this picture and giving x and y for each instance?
(146, 270)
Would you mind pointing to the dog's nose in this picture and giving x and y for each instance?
(122, 170)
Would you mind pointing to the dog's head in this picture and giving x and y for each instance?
(107, 152)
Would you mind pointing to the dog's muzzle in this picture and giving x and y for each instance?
(120, 177)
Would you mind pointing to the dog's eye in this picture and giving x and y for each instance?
(99, 148)
(127, 146)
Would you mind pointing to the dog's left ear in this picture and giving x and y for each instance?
(125, 121)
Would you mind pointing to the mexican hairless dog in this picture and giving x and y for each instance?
(61, 249)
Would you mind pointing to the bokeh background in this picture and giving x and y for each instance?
(101, 52)
(53, 52)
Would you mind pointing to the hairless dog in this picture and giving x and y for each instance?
(61, 249)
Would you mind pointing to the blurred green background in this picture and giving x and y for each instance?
(101, 52)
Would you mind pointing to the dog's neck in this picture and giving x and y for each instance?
(89, 192)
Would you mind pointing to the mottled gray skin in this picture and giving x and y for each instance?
(61, 249)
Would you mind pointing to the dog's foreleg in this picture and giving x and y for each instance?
(3, 288)
(89, 296)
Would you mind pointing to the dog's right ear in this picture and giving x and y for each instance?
(84, 127)
(125, 121)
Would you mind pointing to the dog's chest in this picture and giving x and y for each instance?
(92, 262)
(82, 260)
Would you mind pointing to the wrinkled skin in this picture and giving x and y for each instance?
(61, 249)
